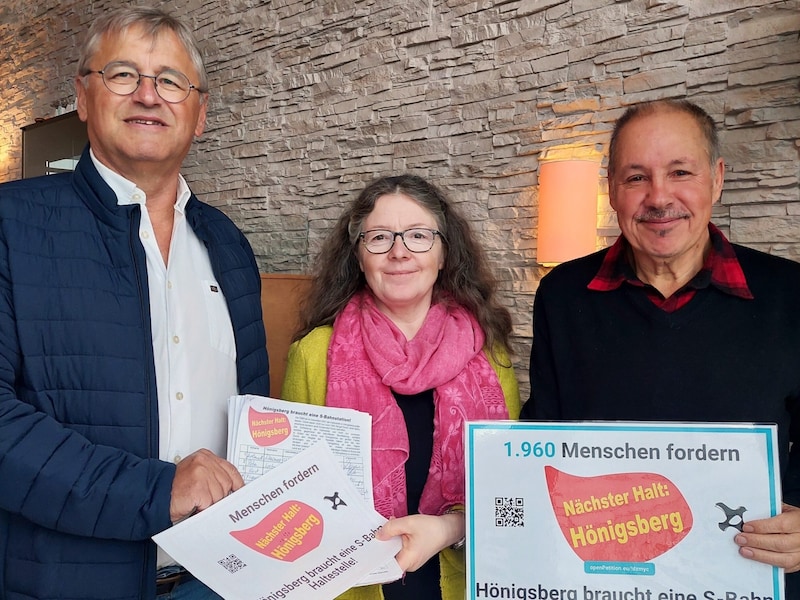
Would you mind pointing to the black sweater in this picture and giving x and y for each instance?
(616, 356)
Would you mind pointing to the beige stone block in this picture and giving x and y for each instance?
(770, 23)
(760, 196)
(654, 79)
(745, 211)
(705, 31)
(765, 229)
(764, 75)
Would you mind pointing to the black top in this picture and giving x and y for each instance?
(614, 355)
(422, 584)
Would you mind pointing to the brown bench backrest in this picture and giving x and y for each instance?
(280, 302)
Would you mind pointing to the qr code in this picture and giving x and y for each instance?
(232, 563)
(509, 512)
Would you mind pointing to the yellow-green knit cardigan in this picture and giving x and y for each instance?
(306, 381)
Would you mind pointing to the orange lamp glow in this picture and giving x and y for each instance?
(567, 209)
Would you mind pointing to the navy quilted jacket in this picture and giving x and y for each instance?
(81, 486)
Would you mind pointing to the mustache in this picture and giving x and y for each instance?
(655, 214)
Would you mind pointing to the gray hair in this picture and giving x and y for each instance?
(701, 117)
(153, 21)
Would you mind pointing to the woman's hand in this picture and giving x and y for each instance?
(774, 541)
(423, 536)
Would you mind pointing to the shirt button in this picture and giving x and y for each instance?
(145, 234)
(169, 285)
(179, 395)
(177, 459)
(176, 339)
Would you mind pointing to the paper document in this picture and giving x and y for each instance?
(265, 432)
(301, 531)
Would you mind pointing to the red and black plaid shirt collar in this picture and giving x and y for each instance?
(720, 269)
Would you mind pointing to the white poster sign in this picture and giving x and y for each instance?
(618, 511)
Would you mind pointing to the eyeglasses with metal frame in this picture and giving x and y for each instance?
(416, 239)
(122, 79)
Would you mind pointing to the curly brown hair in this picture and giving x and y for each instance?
(465, 278)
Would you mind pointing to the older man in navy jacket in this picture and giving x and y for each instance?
(129, 312)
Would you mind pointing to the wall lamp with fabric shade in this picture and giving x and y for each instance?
(568, 187)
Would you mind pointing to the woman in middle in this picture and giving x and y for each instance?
(402, 322)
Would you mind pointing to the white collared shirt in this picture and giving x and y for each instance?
(193, 343)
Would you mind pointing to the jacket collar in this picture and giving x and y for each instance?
(97, 195)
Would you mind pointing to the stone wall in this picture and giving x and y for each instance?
(310, 99)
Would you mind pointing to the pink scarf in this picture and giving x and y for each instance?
(368, 355)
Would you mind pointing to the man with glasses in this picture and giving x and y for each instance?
(129, 313)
